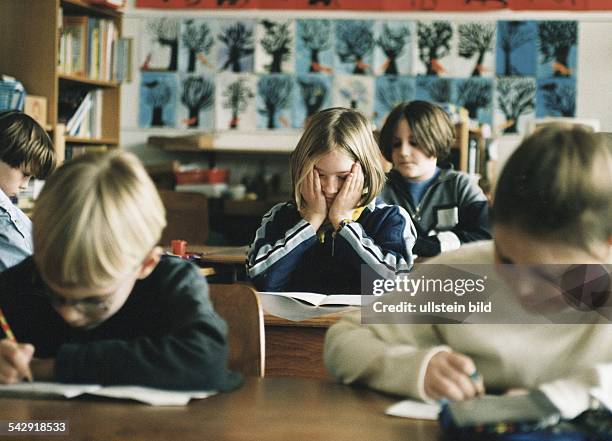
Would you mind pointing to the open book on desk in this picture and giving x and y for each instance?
(154, 397)
(297, 306)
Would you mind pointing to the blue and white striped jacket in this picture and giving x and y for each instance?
(288, 254)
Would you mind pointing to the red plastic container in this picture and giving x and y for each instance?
(196, 176)
(218, 175)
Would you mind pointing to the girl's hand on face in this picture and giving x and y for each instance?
(452, 376)
(348, 197)
(315, 210)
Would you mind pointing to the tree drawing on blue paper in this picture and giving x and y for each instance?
(516, 97)
(392, 42)
(474, 94)
(438, 90)
(476, 39)
(238, 41)
(277, 43)
(237, 96)
(559, 98)
(275, 93)
(158, 95)
(316, 36)
(354, 41)
(356, 93)
(198, 39)
(198, 95)
(513, 36)
(314, 92)
(556, 40)
(434, 41)
(391, 91)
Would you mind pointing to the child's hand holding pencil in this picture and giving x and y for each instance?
(14, 357)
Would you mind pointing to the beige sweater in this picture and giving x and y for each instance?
(563, 360)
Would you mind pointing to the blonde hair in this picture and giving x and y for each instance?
(347, 131)
(558, 185)
(95, 220)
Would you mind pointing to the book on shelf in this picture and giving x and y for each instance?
(88, 47)
(80, 108)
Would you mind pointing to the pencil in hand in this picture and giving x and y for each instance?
(9, 334)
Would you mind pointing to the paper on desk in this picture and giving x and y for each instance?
(414, 409)
(154, 397)
(285, 305)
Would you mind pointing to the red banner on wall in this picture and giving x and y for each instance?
(380, 5)
(545, 5)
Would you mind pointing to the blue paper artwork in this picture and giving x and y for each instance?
(438, 90)
(517, 48)
(391, 91)
(197, 46)
(312, 93)
(354, 92)
(354, 42)
(274, 96)
(434, 42)
(393, 47)
(236, 45)
(557, 48)
(515, 103)
(556, 97)
(158, 91)
(314, 47)
(196, 98)
(274, 52)
(476, 95)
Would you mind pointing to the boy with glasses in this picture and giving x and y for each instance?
(98, 303)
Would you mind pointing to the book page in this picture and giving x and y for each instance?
(414, 409)
(311, 298)
(294, 310)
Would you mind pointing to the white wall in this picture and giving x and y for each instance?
(594, 93)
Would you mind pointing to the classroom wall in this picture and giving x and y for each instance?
(594, 93)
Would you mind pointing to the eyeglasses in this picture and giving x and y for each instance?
(89, 306)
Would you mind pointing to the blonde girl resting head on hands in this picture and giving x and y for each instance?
(318, 241)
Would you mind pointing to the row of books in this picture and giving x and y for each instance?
(91, 47)
(74, 151)
(81, 110)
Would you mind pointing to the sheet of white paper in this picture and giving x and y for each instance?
(414, 409)
(604, 397)
(294, 310)
(154, 397)
(42, 388)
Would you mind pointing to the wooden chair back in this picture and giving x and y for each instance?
(186, 217)
(239, 306)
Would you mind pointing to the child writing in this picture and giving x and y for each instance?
(97, 302)
(553, 205)
(25, 151)
(318, 241)
(446, 208)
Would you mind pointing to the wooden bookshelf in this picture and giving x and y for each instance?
(29, 51)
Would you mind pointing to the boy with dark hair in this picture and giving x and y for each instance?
(25, 151)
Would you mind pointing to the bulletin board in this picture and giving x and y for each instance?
(244, 74)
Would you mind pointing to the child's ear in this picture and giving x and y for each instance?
(150, 262)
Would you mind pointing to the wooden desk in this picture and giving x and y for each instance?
(221, 259)
(295, 349)
(270, 409)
